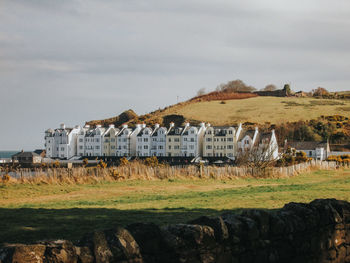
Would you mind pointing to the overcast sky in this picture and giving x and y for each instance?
(77, 60)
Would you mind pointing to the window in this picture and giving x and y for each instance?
(230, 139)
(209, 147)
(177, 140)
(230, 147)
(230, 132)
(62, 148)
(191, 147)
(80, 147)
(145, 139)
(145, 147)
(97, 140)
(112, 140)
(192, 132)
(208, 139)
(246, 141)
(185, 139)
(192, 139)
(160, 147)
(81, 140)
(169, 147)
(176, 147)
(310, 153)
(97, 147)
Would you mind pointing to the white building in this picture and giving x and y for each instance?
(143, 142)
(315, 150)
(110, 141)
(94, 141)
(247, 140)
(192, 140)
(61, 142)
(269, 145)
(81, 148)
(158, 143)
(126, 144)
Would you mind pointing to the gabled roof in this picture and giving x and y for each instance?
(307, 145)
(142, 131)
(175, 131)
(156, 130)
(39, 151)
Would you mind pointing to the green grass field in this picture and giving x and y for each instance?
(29, 213)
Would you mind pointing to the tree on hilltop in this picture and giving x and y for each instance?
(270, 87)
(235, 86)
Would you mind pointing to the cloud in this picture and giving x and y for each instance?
(75, 60)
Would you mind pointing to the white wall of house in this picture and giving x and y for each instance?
(62, 142)
(123, 141)
(143, 142)
(158, 141)
(192, 141)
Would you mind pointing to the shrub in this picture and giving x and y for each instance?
(151, 161)
(124, 161)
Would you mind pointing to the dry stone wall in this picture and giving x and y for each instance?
(315, 232)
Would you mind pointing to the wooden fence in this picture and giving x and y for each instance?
(140, 171)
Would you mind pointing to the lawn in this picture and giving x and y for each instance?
(29, 213)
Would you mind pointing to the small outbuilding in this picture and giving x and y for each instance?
(315, 150)
(26, 158)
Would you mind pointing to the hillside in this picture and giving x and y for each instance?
(258, 110)
(293, 118)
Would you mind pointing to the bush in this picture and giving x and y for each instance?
(151, 161)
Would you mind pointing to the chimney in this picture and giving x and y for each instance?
(111, 125)
(172, 124)
(143, 125)
(202, 124)
(125, 126)
(77, 127)
(208, 124)
(187, 124)
(138, 126)
(62, 126)
(87, 126)
(98, 126)
(156, 126)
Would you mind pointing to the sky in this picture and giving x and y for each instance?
(70, 61)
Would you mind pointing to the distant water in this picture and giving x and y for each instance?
(7, 154)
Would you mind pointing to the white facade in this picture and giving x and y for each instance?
(248, 140)
(143, 142)
(81, 148)
(94, 141)
(158, 141)
(192, 140)
(62, 142)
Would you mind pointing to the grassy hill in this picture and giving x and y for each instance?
(260, 110)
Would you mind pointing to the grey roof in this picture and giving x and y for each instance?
(307, 145)
(175, 131)
(25, 154)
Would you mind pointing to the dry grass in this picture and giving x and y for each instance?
(139, 171)
(262, 109)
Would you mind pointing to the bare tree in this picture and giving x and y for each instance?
(235, 86)
(201, 92)
(258, 158)
(270, 87)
